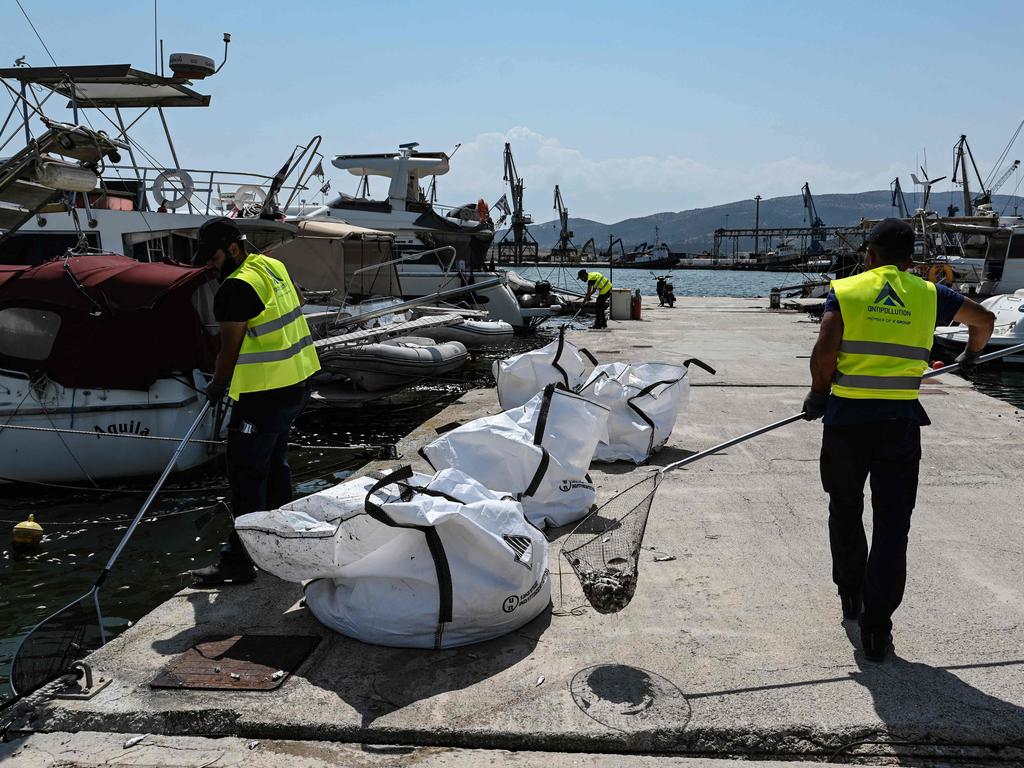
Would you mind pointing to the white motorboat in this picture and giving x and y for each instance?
(951, 340)
(395, 362)
(101, 356)
(474, 334)
(422, 227)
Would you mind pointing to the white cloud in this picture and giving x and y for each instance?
(614, 188)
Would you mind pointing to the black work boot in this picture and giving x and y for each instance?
(227, 570)
(876, 643)
(851, 606)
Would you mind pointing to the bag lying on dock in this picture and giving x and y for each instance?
(522, 376)
(416, 562)
(539, 453)
(644, 401)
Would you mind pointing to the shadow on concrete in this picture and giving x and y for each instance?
(376, 681)
(373, 680)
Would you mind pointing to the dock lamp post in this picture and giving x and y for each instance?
(757, 222)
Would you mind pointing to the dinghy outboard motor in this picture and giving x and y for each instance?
(666, 294)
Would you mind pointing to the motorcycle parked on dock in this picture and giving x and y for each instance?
(666, 294)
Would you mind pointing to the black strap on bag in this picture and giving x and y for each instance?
(434, 543)
(699, 364)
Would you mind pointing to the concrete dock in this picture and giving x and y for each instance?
(733, 649)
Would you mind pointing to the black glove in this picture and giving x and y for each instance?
(968, 360)
(215, 392)
(814, 405)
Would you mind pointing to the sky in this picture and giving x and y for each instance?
(631, 107)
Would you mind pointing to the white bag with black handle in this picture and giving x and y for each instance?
(424, 562)
(520, 377)
(644, 401)
(540, 453)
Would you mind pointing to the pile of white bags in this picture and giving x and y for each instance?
(644, 401)
(540, 453)
(520, 377)
(409, 560)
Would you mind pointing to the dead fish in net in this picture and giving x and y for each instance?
(609, 589)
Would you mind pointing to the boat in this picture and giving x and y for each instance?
(656, 257)
(422, 227)
(101, 361)
(393, 363)
(951, 340)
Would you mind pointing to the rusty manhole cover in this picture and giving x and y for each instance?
(236, 663)
(629, 698)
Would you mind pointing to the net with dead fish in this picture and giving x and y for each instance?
(604, 550)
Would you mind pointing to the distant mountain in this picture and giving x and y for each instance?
(693, 230)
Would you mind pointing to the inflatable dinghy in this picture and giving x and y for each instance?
(392, 363)
(474, 334)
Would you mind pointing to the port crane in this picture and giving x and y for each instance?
(961, 153)
(899, 201)
(517, 242)
(566, 249)
(813, 219)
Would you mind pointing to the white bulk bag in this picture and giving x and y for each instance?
(449, 563)
(522, 376)
(644, 400)
(316, 536)
(539, 453)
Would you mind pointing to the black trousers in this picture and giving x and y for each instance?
(599, 308)
(258, 469)
(889, 452)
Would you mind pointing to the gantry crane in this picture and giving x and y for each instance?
(517, 242)
(814, 220)
(899, 201)
(566, 249)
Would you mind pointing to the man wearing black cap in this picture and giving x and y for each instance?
(873, 347)
(596, 282)
(265, 360)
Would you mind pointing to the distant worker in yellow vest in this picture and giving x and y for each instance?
(873, 347)
(596, 282)
(265, 361)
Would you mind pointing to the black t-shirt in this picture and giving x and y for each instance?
(236, 301)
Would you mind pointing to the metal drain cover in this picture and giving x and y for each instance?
(236, 663)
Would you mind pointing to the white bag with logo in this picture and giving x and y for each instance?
(418, 562)
(520, 377)
(644, 401)
(539, 453)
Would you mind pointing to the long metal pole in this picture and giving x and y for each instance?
(757, 223)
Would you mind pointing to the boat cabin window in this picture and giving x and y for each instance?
(164, 247)
(28, 333)
(36, 247)
(1015, 250)
(202, 300)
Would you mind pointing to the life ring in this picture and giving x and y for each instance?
(247, 194)
(941, 273)
(187, 185)
(482, 210)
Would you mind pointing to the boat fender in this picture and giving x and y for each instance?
(482, 210)
(941, 273)
(187, 185)
(26, 535)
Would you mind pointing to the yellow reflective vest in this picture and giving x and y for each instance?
(277, 350)
(601, 283)
(888, 328)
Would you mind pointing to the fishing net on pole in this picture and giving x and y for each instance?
(604, 549)
(55, 643)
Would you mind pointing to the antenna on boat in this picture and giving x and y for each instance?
(227, 41)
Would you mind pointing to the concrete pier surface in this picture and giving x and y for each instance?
(733, 648)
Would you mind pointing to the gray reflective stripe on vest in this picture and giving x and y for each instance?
(276, 324)
(877, 382)
(277, 354)
(885, 349)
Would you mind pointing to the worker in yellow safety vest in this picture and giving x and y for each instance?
(873, 347)
(597, 283)
(265, 361)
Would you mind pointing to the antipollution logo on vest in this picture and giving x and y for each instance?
(888, 302)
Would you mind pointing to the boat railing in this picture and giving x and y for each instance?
(201, 191)
(436, 252)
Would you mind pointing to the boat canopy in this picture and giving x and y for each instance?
(345, 260)
(107, 321)
(109, 85)
(394, 164)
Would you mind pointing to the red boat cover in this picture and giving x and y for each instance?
(124, 323)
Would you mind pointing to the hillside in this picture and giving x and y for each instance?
(693, 230)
